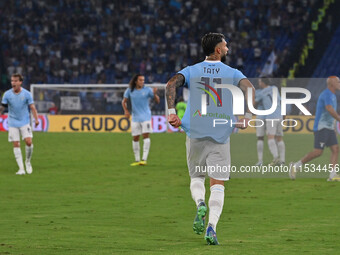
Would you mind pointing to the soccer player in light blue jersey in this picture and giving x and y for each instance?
(139, 96)
(324, 130)
(273, 121)
(19, 100)
(207, 144)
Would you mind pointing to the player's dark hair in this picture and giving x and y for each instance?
(17, 75)
(266, 80)
(132, 83)
(209, 42)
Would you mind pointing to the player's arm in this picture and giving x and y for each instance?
(175, 82)
(35, 114)
(332, 112)
(244, 85)
(2, 108)
(155, 96)
(4, 104)
(124, 105)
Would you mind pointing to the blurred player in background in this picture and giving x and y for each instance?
(53, 110)
(260, 131)
(324, 130)
(273, 128)
(181, 106)
(139, 96)
(207, 147)
(19, 100)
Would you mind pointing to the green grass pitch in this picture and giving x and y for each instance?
(84, 198)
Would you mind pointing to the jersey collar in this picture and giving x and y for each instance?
(212, 61)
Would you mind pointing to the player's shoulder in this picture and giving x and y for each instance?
(194, 66)
(8, 92)
(229, 68)
(267, 89)
(326, 93)
(25, 91)
(272, 87)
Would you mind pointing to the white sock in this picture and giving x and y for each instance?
(298, 164)
(273, 148)
(135, 147)
(260, 150)
(216, 202)
(332, 173)
(18, 157)
(282, 150)
(29, 152)
(197, 189)
(146, 148)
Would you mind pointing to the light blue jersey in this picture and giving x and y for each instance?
(322, 117)
(140, 103)
(259, 104)
(18, 107)
(265, 97)
(201, 79)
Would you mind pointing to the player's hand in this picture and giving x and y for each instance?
(36, 123)
(127, 114)
(174, 120)
(155, 90)
(242, 123)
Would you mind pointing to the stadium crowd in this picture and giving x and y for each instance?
(102, 41)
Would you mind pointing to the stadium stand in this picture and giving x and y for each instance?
(328, 66)
(307, 54)
(330, 62)
(106, 41)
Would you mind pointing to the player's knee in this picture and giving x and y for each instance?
(214, 182)
(16, 144)
(197, 179)
(318, 153)
(28, 142)
(260, 138)
(278, 138)
(136, 138)
(335, 149)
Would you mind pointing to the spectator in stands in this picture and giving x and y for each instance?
(53, 110)
(77, 41)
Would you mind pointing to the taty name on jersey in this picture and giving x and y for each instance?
(211, 70)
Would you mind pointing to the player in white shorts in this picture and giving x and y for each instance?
(19, 100)
(139, 96)
(208, 150)
(273, 121)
